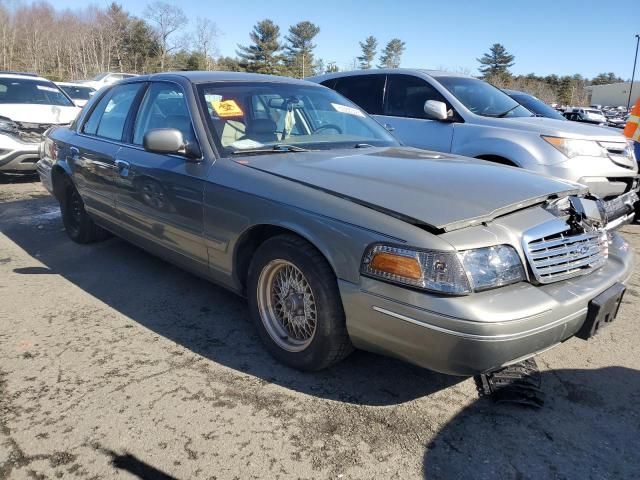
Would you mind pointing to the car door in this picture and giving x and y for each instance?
(366, 91)
(160, 196)
(403, 111)
(93, 155)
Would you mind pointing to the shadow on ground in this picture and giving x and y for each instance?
(588, 428)
(196, 314)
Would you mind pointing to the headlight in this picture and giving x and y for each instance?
(445, 272)
(8, 126)
(425, 269)
(572, 147)
(492, 267)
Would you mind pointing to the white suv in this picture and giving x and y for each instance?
(29, 105)
(106, 78)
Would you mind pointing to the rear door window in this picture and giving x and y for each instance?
(110, 115)
(406, 96)
(366, 91)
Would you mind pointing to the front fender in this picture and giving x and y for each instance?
(491, 141)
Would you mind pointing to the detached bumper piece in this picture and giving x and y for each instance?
(519, 383)
(621, 210)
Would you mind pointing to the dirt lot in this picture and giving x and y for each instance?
(115, 364)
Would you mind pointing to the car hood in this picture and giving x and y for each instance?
(38, 113)
(442, 191)
(558, 128)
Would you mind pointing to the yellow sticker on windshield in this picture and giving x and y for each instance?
(227, 108)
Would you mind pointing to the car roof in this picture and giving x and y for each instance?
(408, 71)
(209, 77)
(24, 76)
(74, 84)
(508, 91)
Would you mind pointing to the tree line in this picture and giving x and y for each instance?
(64, 45)
(67, 45)
(566, 89)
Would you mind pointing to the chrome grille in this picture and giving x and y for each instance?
(565, 254)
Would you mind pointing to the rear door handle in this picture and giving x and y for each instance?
(123, 167)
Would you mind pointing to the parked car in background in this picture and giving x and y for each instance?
(586, 115)
(287, 193)
(456, 113)
(29, 105)
(79, 93)
(534, 104)
(103, 79)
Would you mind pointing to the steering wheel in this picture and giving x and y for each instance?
(327, 126)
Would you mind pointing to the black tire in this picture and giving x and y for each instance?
(330, 342)
(78, 224)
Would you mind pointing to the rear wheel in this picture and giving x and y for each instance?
(78, 224)
(295, 304)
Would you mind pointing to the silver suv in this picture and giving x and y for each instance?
(449, 112)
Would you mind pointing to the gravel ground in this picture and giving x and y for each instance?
(115, 364)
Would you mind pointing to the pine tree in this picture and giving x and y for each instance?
(332, 68)
(263, 56)
(392, 54)
(565, 90)
(369, 48)
(299, 50)
(497, 62)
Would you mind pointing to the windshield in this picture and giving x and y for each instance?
(537, 106)
(258, 115)
(39, 92)
(78, 93)
(482, 98)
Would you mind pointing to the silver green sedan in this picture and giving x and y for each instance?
(287, 193)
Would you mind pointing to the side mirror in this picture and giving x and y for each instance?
(435, 110)
(169, 140)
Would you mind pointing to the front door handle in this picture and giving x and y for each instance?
(390, 128)
(123, 168)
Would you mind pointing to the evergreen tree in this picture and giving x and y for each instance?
(605, 78)
(263, 56)
(497, 62)
(369, 49)
(332, 68)
(565, 90)
(299, 50)
(392, 54)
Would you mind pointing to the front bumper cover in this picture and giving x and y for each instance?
(480, 332)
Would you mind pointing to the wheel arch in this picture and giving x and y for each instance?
(497, 159)
(256, 235)
(59, 174)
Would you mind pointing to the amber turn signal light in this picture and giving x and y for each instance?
(400, 265)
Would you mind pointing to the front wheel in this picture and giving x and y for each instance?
(295, 304)
(79, 226)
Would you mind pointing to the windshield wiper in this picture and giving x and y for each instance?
(362, 145)
(277, 148)
(504, 114)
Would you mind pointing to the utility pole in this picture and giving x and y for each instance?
(633, 74)
(303, 66)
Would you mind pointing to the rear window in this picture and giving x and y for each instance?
(28, 91)
(78, 93)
